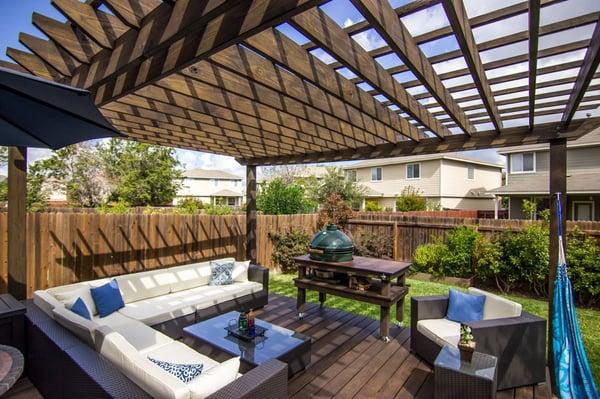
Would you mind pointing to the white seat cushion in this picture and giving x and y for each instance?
(137, 286)
(157, 382)
(215, 378)
(496, 307)
(176, 352)
(83, 292)
(80, 326)
(139, 335)
(167, 307)
(441, 331)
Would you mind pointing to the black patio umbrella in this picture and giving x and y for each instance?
(39, 113)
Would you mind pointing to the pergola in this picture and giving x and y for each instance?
(224, 77)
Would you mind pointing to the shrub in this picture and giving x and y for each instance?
(280, 198)
(335, 210)
(487, 257)
(461, 242)
(117, 208)
(429, 258)
(189, 206)
(218, 210)
(374, 246)
(373, 206)
(583, 259)
(287, 245)
(411, 199)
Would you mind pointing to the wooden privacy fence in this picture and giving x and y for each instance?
(65, 248)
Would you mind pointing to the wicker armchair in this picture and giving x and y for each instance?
(519, 343)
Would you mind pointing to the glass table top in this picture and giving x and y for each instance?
(481, 365)
(276, 342)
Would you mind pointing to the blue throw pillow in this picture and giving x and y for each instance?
(79, 307)
(107, 298)
(221, 273)
(185, 372)
(464, 307)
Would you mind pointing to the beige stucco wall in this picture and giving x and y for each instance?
(394, 179)
(202, 189)
(478, 204)
(455, 182)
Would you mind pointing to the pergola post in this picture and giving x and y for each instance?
(17, 222)
(251, 213)
(558, 184)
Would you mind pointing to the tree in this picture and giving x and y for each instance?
(373, 206)
(411, 199)
(335, 182)
(141, 174)
(335, 210)
(37, 191)
(529, 209)
(276, 197)
(3, 156)
(77, 170)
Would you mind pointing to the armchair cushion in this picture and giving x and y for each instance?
(440, 331)
(465, 307)
(496, 307)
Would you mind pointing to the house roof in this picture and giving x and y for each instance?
(210, 174)
(226, 193)
(454, 156)
(584, 183)
(2, 178)
(590, 139)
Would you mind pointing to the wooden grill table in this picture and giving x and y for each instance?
(384, 291)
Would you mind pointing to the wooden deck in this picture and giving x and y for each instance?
(348, 359)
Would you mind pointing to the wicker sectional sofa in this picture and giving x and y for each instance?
(109, 356)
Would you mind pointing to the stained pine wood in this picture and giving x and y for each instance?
(131, 12)
(50, 53)
(33, 64)
(459, 20)
(17, 218)
(251, 213)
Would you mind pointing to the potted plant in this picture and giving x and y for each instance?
(466, 345)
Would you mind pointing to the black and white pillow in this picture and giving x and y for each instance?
(185, 372)
(221, 272)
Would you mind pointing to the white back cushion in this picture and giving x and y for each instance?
(46, 302)
(214, 378)
(81, 327)
(83, 292)
(138, 286)
(496, 307)
(151, 378)
(190, 276)
(240, 271)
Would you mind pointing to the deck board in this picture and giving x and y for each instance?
(348, 360)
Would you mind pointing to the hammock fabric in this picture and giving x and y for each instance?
(572, 371)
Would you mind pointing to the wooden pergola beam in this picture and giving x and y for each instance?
(534, 29)
(510, 137)
(17, 222)
(66, 36)
(459, 20)
(99, 26)
(48, 51)
(131, 12)
(283, 51)
(174, 37)
(33, 64)
(322, 29)
(584, 77)
(385, 21)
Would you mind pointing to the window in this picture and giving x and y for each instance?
(583, 210)
(376, 174)
(471, 172)
(351, 175)
(231, 201)
(522, 163)
(413, 171)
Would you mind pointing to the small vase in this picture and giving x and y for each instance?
(466, 351)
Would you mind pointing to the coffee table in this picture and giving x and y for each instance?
(210, 338)
(457, 379)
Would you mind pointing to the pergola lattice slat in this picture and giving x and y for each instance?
(50, 53)
(534, 29)
(131, 12)
(34, 64)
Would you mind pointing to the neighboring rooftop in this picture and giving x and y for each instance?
(590, 139)
(454, 156)
(210, 174)
(226, 193)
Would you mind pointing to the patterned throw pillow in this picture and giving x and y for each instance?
(185, 372)
(221, 273)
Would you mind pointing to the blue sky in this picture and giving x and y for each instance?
(15, 16)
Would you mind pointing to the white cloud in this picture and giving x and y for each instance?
(426, 20)
(194, 159)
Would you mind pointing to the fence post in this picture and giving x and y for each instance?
(396, 239)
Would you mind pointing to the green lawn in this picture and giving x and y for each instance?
(589, 320)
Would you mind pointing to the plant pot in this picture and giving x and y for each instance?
(466, 351)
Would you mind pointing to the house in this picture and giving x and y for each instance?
(447, 181)
(212, 187)
(528, 178)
